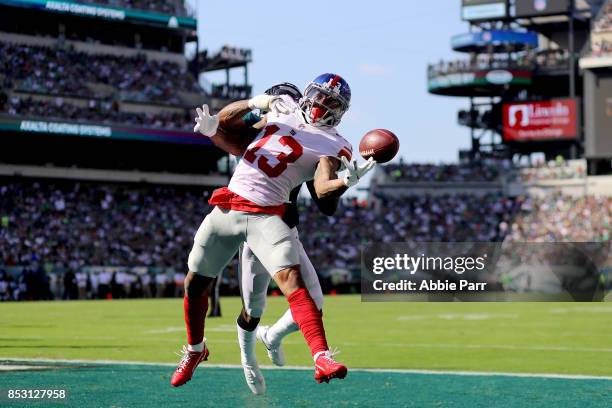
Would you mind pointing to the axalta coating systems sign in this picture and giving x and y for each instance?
(540, 121)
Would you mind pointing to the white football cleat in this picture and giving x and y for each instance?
(275, 352)
(254, 379)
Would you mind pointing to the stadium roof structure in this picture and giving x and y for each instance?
(104, 12)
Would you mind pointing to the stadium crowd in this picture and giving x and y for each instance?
(485, 171)
(68, 239)
(603, 22)
(558, 169)
(69, 225)
(231, 91)
(335, 242)
(98, 111)
(483, 61)
(53, 70)
(601, 39)
(562, 218)
(76, 224)
(526, 60)
(601, 48)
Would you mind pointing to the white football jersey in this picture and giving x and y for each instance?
(284, 155)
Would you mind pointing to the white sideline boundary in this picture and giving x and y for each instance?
(303, 368)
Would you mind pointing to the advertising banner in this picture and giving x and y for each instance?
(555, 119)
(106, 12)
(14, 124)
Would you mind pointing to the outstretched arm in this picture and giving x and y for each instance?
(229, 130)
(327, 206)
(231, 116)
(326, 183)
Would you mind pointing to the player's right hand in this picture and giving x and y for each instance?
(206, 123)
(354, 172)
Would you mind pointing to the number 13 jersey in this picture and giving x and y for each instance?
(284, 155)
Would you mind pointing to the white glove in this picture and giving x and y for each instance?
(206, 123)
(355, 172)
(261, 102)
(279, 105)
(269, 103)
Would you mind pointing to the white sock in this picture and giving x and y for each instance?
(283, 326)
(247, 340)
(196, 347)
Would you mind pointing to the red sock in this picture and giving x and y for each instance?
(308, 318)
(195, 312)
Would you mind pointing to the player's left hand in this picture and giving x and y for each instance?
(354, 172)
(271, 103)
(206, 123)
(279, 105)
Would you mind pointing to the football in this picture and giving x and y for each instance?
(381, 144)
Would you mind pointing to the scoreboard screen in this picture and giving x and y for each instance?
(482, 10)
(535, 8)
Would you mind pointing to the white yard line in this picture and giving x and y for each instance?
(302, 368)
(491, 346)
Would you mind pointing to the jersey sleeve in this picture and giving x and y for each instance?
(344, 148)
(345, 151)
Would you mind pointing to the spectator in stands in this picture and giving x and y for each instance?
(160, 284)
(146, 281)
(104, 284)
(117, 289)
(136, 287)
(179, 287)
(71, 290)
(5, 293)
(82, 281)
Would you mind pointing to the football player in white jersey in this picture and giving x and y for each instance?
(299, 143)
(254, 279)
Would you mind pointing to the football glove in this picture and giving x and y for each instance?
(354, 172)
(271, 103)
(206, 123)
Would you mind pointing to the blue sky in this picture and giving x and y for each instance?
(381, 49)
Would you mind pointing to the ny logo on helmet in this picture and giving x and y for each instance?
(333, 85)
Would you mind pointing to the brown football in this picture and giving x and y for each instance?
(381, 144)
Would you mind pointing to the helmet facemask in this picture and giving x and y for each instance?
(322, 107)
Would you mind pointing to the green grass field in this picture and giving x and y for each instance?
(553, 338)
